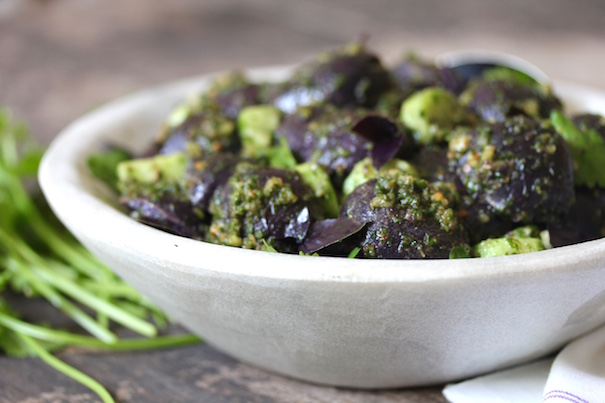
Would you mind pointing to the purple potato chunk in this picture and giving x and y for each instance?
(585, 220)
(590, 121)
(406, 218)
(166, 206)
(205, 177)
(496, 100)
(432, 163)
(413, 74)
(481, 223)
(180, 205)
(325, 135)
(262, 206)
(511, 173)
(232, 93)
(202, 134)
(347, 77)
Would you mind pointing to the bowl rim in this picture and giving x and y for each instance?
(62, 173)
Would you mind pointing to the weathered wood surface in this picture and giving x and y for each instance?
(61, 58)
(190, 374)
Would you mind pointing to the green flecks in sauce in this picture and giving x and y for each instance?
(418, 199)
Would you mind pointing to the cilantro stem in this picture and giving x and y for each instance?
(81, 260)
(60, 302)
(102, 306)
(58, 336)
(38, 257)
(113, 287)
(67, 369)
(55, 279)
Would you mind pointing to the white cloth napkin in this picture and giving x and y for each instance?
(575, 375)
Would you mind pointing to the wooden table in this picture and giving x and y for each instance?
(61, 58)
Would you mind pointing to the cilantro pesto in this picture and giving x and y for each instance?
(350, 157)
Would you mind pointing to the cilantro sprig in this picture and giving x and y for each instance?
(39, 258)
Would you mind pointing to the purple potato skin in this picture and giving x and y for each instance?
(206, 132)
(205, 177)
(233, 101)
(182, 210)
(167, 208)
(512, 173)
(231, 93)
(401, 231)
(413, 74)
(333, 237)
(324, 134)
(432, 163)
(590, 121)
(283, 209)
(342, 78)
(497, 100)
(585, 220)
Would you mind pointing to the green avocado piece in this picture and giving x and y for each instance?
(149, 171)
(460, 252)
(319, 181)
(507, 246)
(431, 113)
(279, 156)
(526, 231)
(256, 125)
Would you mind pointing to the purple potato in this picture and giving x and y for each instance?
(413, 74)
(203, 134)
(432, 163)
(166, 207)
(205, 177)
(518, 171)
(347, 77)
(181, 207)
(388, 138)
(326, 135)
(481, 223)
(590, 121)
(585, 220)
(259, 204)
(497, 100)
(232, 102)
(232, 93)
(406, 218)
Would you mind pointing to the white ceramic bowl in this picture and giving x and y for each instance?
(336, 321)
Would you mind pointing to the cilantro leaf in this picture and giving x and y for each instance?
(587, 150)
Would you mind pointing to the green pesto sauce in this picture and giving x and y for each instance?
(216, 133)
(417, 198)
(486, 165)
(234, 222)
